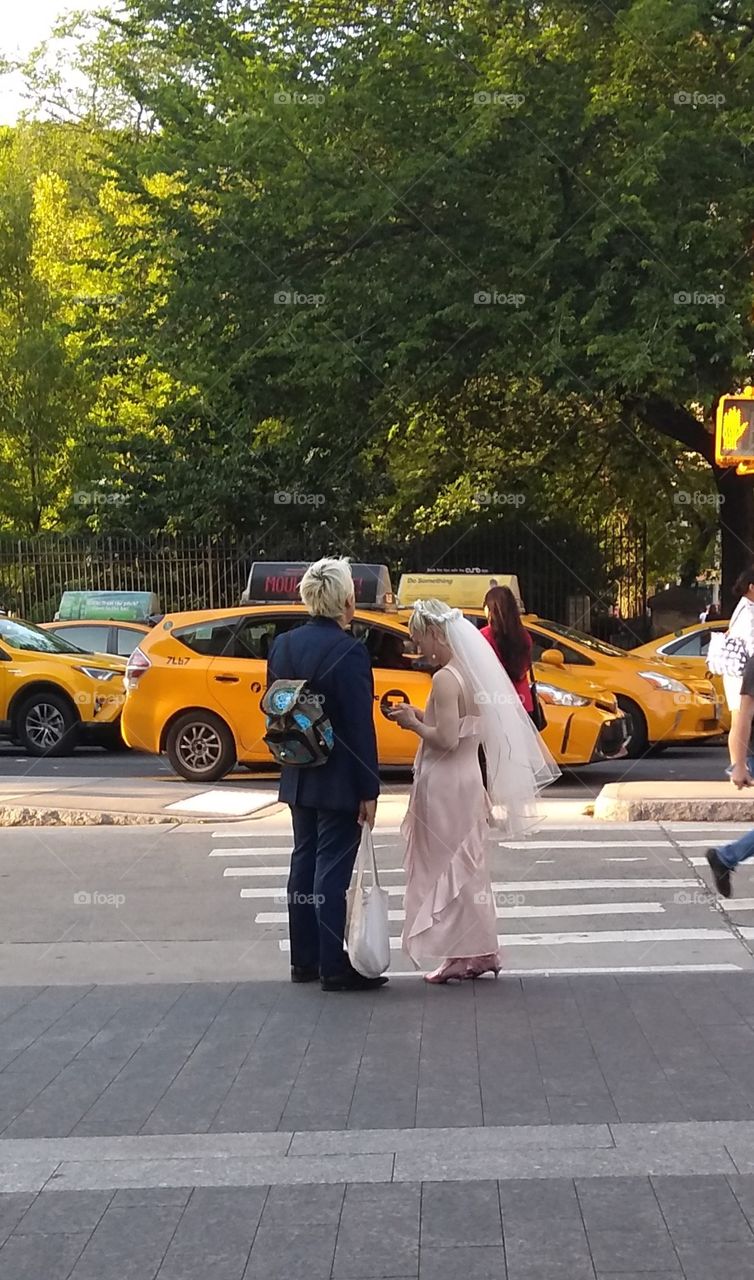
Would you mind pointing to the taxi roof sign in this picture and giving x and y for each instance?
(277, 582)
(459, 590)
(108, 606)
(734, 431)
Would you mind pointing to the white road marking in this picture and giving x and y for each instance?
(517, 913)
(626, 859)
(218, 801)
(509, 886)
(581, 939)
(737, 904)
(597, 969)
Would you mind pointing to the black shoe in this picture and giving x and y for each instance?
(302, 974)
(350, 980)
(720, 873)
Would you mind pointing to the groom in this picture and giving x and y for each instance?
(330, 802)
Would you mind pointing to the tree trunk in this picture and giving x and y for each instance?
(736, 512)
(736, 527)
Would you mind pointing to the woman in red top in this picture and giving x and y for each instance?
(510, 640)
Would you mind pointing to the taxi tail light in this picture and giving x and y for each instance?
(137, 664)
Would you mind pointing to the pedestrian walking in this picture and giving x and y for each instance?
(508, 636)
(741, 628)
(331, 800)
(449, 905)
(724, 860)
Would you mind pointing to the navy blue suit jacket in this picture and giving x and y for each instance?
(337, 666)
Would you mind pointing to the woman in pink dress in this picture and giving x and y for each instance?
(449, 905)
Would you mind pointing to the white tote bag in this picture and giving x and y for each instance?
(368, 928)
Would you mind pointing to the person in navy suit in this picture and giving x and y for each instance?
(329, 802)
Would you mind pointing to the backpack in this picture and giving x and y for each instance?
(299, 731)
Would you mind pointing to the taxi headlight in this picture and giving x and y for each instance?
(96, 673)
(560, 697)
(667, 683)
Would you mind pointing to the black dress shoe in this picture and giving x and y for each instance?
(720, 873)
(302, 974)
(350, 980)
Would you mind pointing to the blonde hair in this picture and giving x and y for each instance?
(431, 614)
(327, 587)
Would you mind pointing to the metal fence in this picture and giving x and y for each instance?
(566, 574)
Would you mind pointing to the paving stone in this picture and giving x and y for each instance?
(215, 1235)
(544, 1232)
(310, 1204)
(39, 1257)
(481, 1262)
(128, 1244)
(225, 1171)
(723, 1260)
(624, 1225)
(127, 1199)
(379, 1232)
(292, 1251)
(699, 1208)
(67, 1212)
(12, 1208)
(450, 1218)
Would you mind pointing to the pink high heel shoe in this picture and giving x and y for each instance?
(457, 969)
(477, 965)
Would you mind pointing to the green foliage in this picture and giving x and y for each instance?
(513, 242)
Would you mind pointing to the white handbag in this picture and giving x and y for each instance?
(368, 928)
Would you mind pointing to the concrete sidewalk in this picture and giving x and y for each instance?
(674, 802)
(536, 1129)
(82, 801)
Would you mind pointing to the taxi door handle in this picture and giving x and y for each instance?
(227, 679)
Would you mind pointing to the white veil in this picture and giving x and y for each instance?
(518, 763)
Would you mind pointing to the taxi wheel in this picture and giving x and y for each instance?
(46, 725)
(200, 747)
(638, 741)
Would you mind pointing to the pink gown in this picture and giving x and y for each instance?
(449, 906)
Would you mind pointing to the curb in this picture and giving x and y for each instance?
(34, 816)
(610, 810)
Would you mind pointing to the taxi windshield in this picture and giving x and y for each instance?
(589, 642)
(22, 635)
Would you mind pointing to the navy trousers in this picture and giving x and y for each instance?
(325, 844)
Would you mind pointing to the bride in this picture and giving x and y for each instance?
(450, 909)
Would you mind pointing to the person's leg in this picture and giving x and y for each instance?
(737, 851)
(338, 836)
(302, 915)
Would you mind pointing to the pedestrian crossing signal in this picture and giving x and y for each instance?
(734, 435)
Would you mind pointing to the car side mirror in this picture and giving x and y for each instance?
(553, 657)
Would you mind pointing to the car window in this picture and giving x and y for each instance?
(388, 649)
(254, 638)
(214, 638)
(540, 642)
(126, 640)
(693, 646)
(581, 637)
(90, 639)
(24, 636)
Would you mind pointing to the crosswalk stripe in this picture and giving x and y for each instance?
(510, 886)
(737, 904)
(582, 939)
(518, 913)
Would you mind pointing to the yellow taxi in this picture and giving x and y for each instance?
(194, 686)
(687, 648)
(100, 636)
(664, 701)
(53, 696)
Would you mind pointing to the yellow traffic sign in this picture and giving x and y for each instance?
(734, 434)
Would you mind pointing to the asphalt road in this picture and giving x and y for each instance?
(181, 904)
(681, 764)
